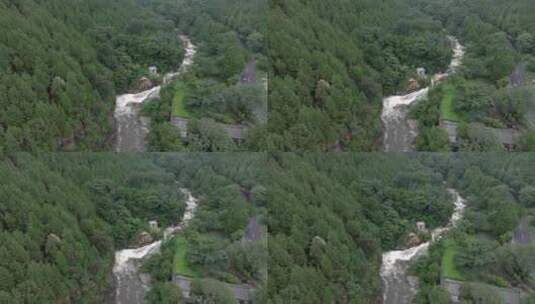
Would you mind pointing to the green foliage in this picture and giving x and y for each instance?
(449, 269)
(331, 216)
(527, 196)
(333, 62)
(165, 137)
(64, 215)
(178, 101)
(433, 139)
(164, 293)
(447, 107)
(208, 136)
(62, 63)
(211, 291)
(179, 260)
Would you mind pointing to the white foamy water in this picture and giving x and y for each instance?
(131, 286)
(397, 287)
(131, 130)
(399, 133)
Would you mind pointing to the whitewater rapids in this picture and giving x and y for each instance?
(131, 285)
(398, 288)
(131, 128)
(400, 132)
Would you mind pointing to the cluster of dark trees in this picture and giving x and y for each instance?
(62, 63)
(498, 35)
(62, 216)
(332, 63)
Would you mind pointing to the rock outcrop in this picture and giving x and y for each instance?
(144, 238)
(144, 83)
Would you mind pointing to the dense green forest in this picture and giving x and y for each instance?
(231, 196)
(332, 63)
(63, 62)
(229, 35)
(499, 193)
(62, 217)
(494, 87)
(332, 216)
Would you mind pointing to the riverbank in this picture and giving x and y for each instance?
(399, 132)
(132, 128)
(397, 286)
(131, 286)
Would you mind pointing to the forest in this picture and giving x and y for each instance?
(331, 217)
(487, 246)
(333, 62)
(62, 216)
(230, 37)
(63, 62)
(494, 88)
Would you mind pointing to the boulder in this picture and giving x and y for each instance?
(322, 88)
(319, 240)
(144, 238)
(144, 83)
(413, 240)
(52, 243)
(413, 85)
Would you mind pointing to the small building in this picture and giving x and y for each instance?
(153, 70)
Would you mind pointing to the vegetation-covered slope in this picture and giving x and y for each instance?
(62, 217)
(332, 216)
(62, 63)
(494, 86)
(220, 87)
(332, 62)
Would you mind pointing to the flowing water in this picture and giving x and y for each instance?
(131, 128)
(398, 288)
(131, 285)
(399, 132)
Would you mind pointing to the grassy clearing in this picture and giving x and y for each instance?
(446, 107)
(180, 264)
(448, 266)
(179, 109)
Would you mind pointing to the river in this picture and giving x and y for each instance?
(398, 288)
(399, 132)
(131, 285)
(131, 128)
